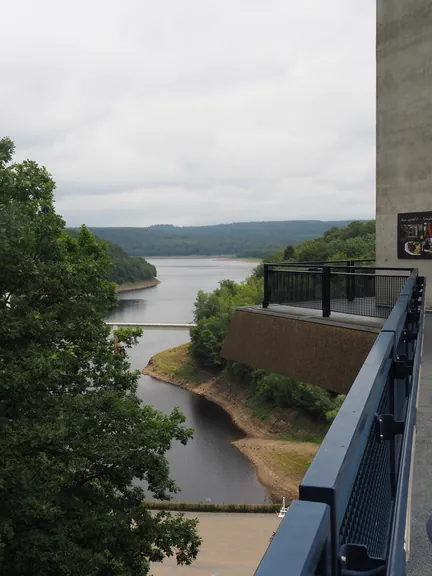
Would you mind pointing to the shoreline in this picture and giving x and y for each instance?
(203, 389)
(222, 257)
(279, 464)
(137, 285)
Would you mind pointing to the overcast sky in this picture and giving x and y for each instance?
(194, 111)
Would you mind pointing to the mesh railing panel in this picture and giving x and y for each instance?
(362, 294)
(298, 288)
(368, 514)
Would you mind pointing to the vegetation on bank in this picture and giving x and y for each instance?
(124, 269)
(245, 239)
(209, 507)
(74, 435)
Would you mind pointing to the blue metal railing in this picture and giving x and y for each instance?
(351, 517)
(302, 543)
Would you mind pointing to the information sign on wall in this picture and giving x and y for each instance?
(415, 235)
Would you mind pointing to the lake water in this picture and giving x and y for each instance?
(209, 466)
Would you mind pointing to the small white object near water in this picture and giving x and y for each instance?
(283, 510)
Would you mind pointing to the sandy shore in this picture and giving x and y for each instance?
(279, 464)
(137, 285)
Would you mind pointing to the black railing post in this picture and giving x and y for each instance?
(266, 300)
(326, 291)
(350, 286)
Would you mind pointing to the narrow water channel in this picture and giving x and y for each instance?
(209, 467)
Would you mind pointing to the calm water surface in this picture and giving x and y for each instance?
(209, 466)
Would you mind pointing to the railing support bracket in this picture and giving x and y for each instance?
(413, 317)
(387, 427)
(354, 559)
(409, 336)
(402, 367)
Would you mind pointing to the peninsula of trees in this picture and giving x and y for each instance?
(125, 269)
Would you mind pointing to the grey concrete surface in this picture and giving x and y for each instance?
(352, 321)
(420, 561)
(404, 123)
(299, 345)
(233, 545)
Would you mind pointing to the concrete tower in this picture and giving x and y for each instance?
(404, 135)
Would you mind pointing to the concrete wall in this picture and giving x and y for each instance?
(404, 122)
(318, 352)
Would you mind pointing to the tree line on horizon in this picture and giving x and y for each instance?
(244, 239)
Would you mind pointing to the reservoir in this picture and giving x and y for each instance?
(209, 467)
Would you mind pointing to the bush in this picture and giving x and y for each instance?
(276, 391)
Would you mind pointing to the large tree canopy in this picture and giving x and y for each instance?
(73, 433)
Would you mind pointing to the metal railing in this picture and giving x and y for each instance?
(351, 519)
(349, 288)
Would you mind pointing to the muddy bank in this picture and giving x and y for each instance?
(137, 285)
(280, 464)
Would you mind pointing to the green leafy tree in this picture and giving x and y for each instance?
(288, 253)
(73, 433)
(213, 313)
(313, 251)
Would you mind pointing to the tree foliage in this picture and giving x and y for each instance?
(353, 242)
(213, 313)
(276, 391)
(73, 433)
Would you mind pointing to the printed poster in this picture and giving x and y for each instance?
(415, 235)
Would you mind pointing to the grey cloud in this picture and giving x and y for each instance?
(194, 112)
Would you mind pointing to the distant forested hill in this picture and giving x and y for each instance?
(126, 269)
(246, 239)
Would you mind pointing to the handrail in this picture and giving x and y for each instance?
(348, 262)
(301, 543)
(362, 471)
(330, 265)
(399, 539)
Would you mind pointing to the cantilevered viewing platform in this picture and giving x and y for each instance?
(317, 323)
